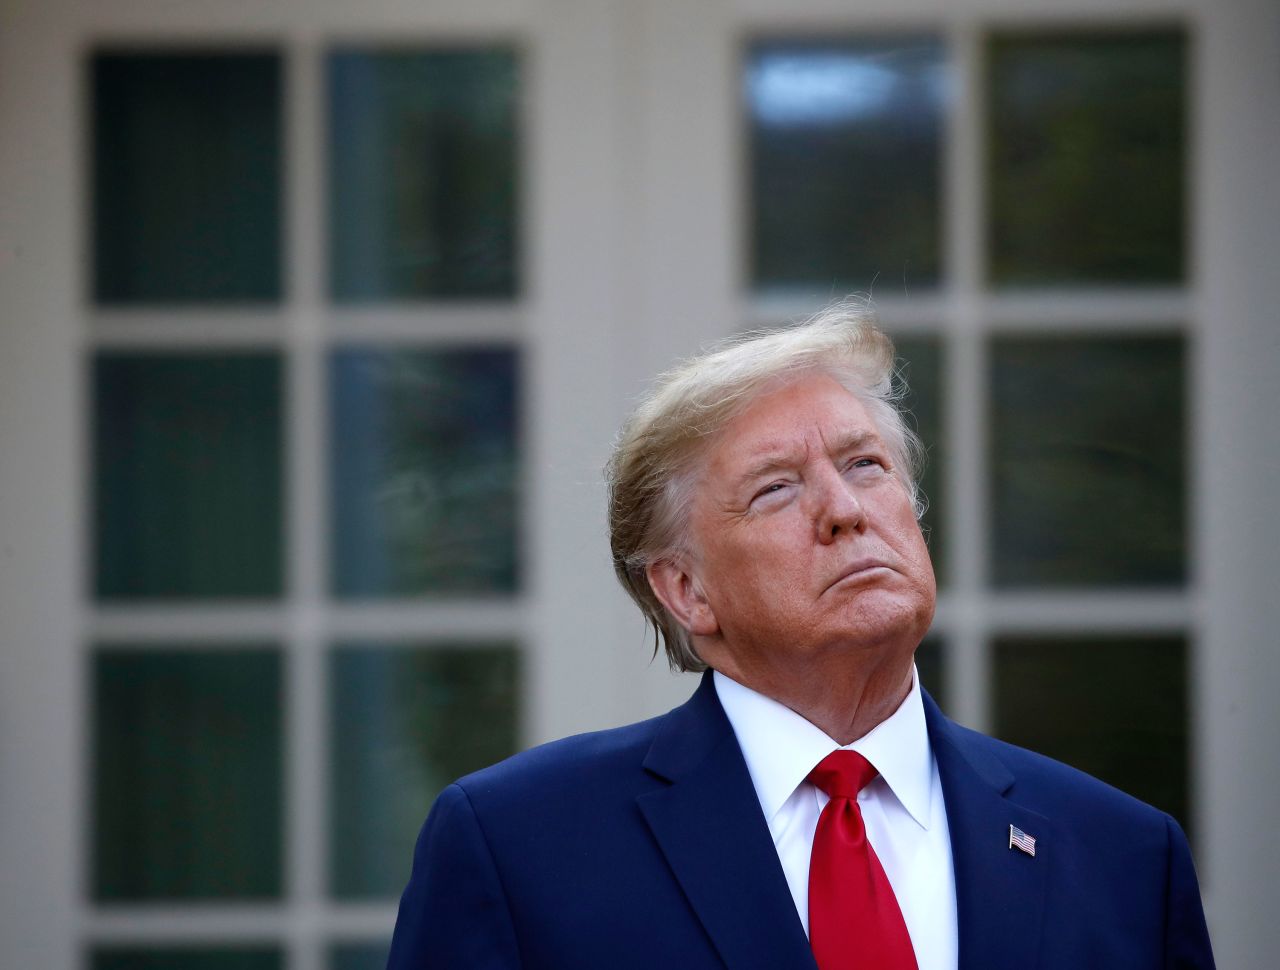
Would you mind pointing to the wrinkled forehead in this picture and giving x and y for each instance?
(789, 423)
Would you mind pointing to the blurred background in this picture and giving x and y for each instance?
(317, 320)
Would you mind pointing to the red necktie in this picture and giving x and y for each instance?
(854, 919)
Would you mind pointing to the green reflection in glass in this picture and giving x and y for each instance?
(405, 722)
(932, 668)
(1088, 482)
(1086, 153)
(186, 958)
(359, 956)
(1114, 707)
(424, 472)
(920, 367)
(187, 473)
(186, 177)
(423, 173)
(187, 774)
(845, 142)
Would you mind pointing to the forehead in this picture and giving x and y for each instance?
(811, 411)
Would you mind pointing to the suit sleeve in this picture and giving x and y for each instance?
(1186, 936)
(454, 910)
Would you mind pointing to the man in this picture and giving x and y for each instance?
(809, 806)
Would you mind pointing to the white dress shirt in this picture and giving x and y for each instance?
(902, 808)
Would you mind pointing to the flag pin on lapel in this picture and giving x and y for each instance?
(1019, 839)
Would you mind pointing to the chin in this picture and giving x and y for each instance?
(893, 620)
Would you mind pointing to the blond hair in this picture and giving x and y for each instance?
(652, 470)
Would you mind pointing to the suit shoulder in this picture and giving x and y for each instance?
(569, 763)
(1050, 786)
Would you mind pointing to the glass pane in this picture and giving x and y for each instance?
(931, 666)
(187, 774)
(1114, 707)
(422, 174)
(1088, 478)
(407, 721)
(186, 958)
(424, 472)
(186, 177)
(920, 366)
(187, 471)
(845, 143)
(1086, 157)
(359, 956)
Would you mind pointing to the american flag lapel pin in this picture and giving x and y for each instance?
(1019, 839)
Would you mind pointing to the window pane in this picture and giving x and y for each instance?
(187, 774)
(359, 956)
(1114, 707)
(931, 666)
(422, 174)
(424, 472)
(920, 365)
(186, 177)
(1086, 157)
(407, 721)
(187, 475)
(1088, 482)
(186, 958)
(845, 164)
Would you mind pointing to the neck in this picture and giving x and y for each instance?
(845, 703)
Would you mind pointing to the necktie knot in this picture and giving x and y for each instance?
(842, 774)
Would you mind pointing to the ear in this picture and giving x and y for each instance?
(681, 593)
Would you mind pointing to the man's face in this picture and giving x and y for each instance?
(804, 537)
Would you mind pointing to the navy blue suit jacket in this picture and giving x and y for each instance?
(645, 847)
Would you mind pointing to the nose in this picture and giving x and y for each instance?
(838, 509)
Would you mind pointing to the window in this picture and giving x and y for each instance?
(277, 733)
(1053, 348)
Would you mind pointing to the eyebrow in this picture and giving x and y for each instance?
(775, 458)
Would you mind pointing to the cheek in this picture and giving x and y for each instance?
(910, 542)
(753, 587)
(919, 554)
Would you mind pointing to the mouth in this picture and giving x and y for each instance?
(863, 570)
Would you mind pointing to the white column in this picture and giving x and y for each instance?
(1235, 459)
(684, 248)
(572, 199)
(42, 702)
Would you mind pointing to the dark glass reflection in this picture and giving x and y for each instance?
(1086, 153)
(187, 475)
(423, 162)
(186, 958)
(920, 368)
(186, 190)
(424, 470)
(845, 163)
(187, 784)
(931, 666)
(1115, 707)
(1087, 473)
(406, 721)
(359, 956)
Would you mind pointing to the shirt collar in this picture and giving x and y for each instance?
(781, 747)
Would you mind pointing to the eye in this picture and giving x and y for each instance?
(866, 465)
(773, 488)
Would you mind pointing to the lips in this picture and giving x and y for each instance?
(857, 569)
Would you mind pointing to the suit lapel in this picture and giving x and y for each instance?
(1000, 892)
(709, 825)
